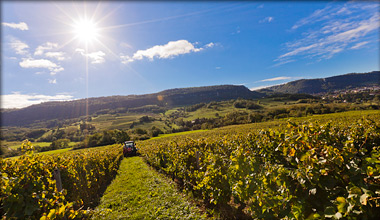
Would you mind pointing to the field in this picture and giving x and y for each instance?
(17, 144)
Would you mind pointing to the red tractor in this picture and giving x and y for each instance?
(129, 149)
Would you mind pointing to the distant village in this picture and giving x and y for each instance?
(367, 90)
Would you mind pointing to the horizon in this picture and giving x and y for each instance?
(253, 89)
(62, 51)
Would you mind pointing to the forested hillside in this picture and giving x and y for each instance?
(122, 104)
(330, 84)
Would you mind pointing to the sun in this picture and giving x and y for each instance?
(86, 30)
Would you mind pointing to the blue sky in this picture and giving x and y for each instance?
(65, 50)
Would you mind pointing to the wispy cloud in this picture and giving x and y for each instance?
(340, 27)
(169, 50)
(267, 20)
(18, 46)
(237, 31)
(282, 62)
(21, 26)
(18, 100)
(359, 45)
(41, 63)
(95, 57)
(277, 79)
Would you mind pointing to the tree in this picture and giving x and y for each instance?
(140, 131)
(121, 136)
(155, 131)
(60, 143)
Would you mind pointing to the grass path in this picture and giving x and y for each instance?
(139, 192)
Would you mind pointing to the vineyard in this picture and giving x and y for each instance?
(311, 169)
(28, 186)
(325, 166)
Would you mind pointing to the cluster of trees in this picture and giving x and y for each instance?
(148, 108)
(104, 138)
(108, 137)
(193, 108)
(291, 97)
(143, 134)
(248, 104)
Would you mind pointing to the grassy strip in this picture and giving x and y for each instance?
(139, 192)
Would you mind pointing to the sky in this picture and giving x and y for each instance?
(63, 50)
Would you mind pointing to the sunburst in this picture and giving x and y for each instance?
(86, 30)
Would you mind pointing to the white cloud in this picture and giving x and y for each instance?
(169, 50)
(52, 81)
(95, 57)
(49, 46)
(46, 46)
(41, 63)
(267, 20)
(277, 79)
(342, 27)
(18, 100)
(209, 45)
(56, 70)
(259, 87)
(18, 46)
(21, 26)
(57, 55)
